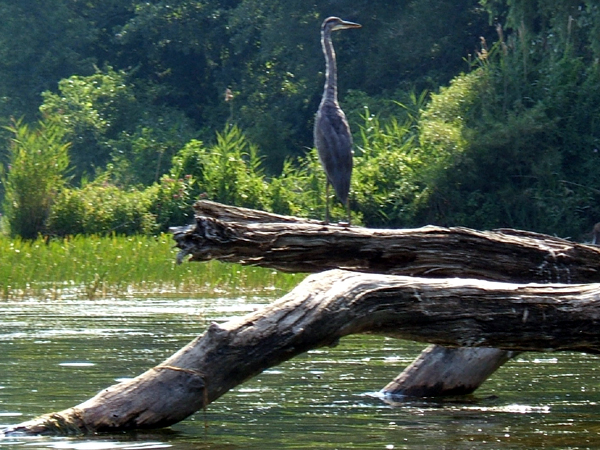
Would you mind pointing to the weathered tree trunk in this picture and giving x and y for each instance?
(321, 310)
(249, 237)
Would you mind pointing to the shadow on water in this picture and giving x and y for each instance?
(56, 354)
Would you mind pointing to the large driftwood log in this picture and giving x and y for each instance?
(321, 310)
(287, 243)
(290, 244)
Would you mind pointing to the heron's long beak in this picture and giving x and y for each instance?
(345, 25)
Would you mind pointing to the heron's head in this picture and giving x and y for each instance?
(335, 23)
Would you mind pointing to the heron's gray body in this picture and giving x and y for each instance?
(332, 133)
(337, 159)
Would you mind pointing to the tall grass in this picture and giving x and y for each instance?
(96, 266)
(37, 163)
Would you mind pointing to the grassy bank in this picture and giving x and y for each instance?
(117, 266)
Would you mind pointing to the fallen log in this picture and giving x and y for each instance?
(290, 244)
(318, 312)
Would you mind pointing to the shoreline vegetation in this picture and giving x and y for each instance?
(489, 119)
(123, 266)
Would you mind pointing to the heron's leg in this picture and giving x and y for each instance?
(327, 201)
(348, 210)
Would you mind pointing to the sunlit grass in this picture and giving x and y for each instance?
(97, 266)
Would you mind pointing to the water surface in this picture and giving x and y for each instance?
(56, 354)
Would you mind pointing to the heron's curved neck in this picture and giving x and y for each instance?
(330, 92)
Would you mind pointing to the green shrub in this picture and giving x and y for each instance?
(109, 122)
(300, 190)
(143, 153)
(384, 183)
(91, 110)
(34, 176)
(229, 171)
(101, 208)
(171, 202)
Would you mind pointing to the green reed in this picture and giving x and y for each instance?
(97, 266)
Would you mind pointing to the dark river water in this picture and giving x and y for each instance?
(56, 354)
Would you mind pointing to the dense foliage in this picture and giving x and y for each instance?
(481, 113)
(527, 149)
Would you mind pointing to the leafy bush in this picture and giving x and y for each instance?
(143, 153)
(171, 202)
(101, 208)
(35, 174)
(508, 144)
(109, 124)
(385, 186)
(229, 171)
(300, 190)
(91, 110)
(443, 143)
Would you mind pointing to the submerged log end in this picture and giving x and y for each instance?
(63, 423)
(158, 398)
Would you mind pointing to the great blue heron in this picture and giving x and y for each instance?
(332, 133)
